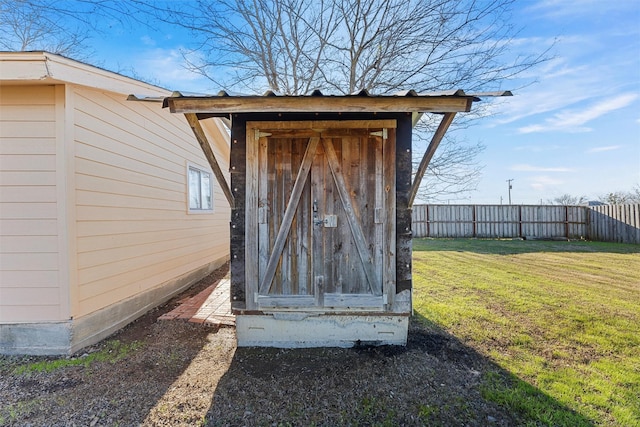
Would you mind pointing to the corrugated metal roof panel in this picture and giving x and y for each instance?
(360, 101)
(318, 93)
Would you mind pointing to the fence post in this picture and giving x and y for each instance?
(587, 220)
(426, 219)
(475, 231)
(520, 221)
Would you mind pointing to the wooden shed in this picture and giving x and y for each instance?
(321, 189)
(105, 205)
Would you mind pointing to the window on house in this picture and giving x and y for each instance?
(200, 190)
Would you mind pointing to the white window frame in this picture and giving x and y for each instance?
(202, 171)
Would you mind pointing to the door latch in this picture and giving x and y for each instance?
(329, 221)
(316, 221)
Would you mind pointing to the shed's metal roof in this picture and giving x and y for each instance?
(406, 101)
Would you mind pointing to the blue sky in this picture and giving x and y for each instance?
(576, 130)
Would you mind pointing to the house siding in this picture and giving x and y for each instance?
(29, 215)
(95, 228)
(133, 230)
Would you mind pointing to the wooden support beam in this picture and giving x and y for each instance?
(290, 211)
(193, 121)
(428, 155)
(327, 104)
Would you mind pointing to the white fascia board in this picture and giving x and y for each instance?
(44, 67)
(23, 66)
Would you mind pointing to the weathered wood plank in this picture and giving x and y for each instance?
(352, 216)
(264, 210)
(362, 301)
(403, 210)
(281, 237)
(380, 212)
(324, 133)
(336, 126)
(320, 190)
(353, 170)
(318, 290)
(337, 246)
(286, 104)
(283, 301)
(286, 262)
(251, 217)
(389, 223)
(303, 279)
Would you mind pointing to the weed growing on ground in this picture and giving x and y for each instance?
(111, 352)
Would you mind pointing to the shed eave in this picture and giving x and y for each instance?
(323, 104)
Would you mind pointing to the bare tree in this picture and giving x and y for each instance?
(42, 25)
(295, 46)
(567, 200)
(61, 27)
(344, 46)
(622, 197)
(454, 170)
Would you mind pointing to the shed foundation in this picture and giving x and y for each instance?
(300, 330)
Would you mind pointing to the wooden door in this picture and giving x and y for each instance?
(325, 202)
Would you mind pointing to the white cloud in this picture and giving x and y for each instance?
(168, 67)
(578, 118)
(588, 63)
(570, 86)
(147, 41)
(530, 168)
(574, 120)
(543, 183)
(604, 148)
(531, 129)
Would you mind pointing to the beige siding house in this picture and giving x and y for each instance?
(108, 207)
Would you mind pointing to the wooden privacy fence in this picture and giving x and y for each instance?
(620, 223)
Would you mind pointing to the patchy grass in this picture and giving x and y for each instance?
(562, 317)
(112, 352)
(14, 412)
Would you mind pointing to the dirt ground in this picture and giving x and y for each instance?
(174, 373)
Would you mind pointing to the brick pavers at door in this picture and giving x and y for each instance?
(212, 306)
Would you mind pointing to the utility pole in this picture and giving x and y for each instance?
(510, 187)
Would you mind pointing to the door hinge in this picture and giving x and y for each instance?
(259, 134)
(383, 133)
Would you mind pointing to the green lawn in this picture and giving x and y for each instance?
(562, 317)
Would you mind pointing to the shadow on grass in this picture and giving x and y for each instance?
(434, 380)
(518, 246)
